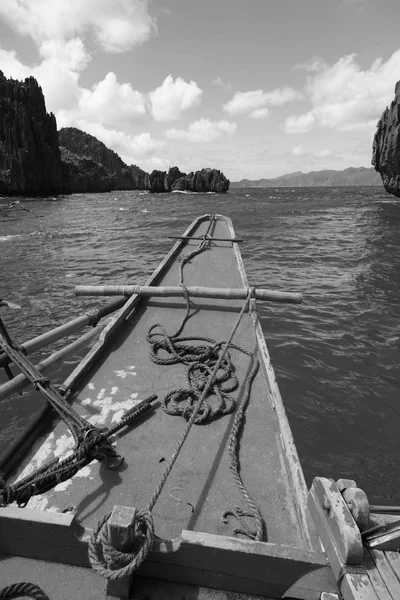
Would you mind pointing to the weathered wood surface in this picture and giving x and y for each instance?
(341, 539)
(195, 558)
(193, 291)
(64, 582)
(119, 525)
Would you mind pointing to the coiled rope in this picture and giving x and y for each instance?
(105, 559)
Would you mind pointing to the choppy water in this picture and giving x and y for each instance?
(336, 356)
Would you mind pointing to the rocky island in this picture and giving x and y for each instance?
(36, 160)
(386, 146)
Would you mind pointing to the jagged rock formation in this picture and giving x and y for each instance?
(386, 146)
(174, 180)
(33, 163)
(122, 177)
(206, 180)
(83, 175)
(30, 162)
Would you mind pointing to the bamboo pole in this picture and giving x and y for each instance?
(63, 330)
(194, 291)
(19, 382)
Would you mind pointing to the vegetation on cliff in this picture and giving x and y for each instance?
(386, 146)
(122, 177)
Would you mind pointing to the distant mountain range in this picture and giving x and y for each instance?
(349, 177)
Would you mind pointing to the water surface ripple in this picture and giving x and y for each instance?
(336, 356)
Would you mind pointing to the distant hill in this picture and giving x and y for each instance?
(349, 177)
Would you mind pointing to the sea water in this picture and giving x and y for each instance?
(336, 356)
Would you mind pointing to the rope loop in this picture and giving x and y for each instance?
(23, 589)
(116, 564)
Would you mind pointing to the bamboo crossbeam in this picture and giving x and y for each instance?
(20, 381)
(63, 330)
(384, 510)
(194, 291)
(207, 238)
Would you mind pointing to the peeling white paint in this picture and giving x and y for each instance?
(121, 373)
(91, 386)
(109, 411)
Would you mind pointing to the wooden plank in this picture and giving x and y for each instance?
(119, 525)
(194, 558)
(386, 572)
(371, 563)
(335, 524)
(193, 291)
(393, 559)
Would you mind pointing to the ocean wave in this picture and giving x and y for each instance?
(6, 238)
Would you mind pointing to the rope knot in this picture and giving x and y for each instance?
(112, 563)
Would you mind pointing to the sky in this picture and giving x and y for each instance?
(255, 88)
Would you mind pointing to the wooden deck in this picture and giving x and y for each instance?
(364, 570)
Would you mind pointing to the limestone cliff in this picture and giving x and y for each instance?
(83, 175)
(30, 162)
(82, 144)
(386, 146)
(36, 160)
(206, 180)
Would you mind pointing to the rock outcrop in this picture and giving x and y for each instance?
(30, 162)
(36, 160)
(83, 175)
(386, 146)
(206, 180)
(122, 177)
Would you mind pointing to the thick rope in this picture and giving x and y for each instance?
(55, 471)
(124, 564)
(99, 547)
(19, 590)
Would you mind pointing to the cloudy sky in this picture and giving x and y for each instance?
(257, 88)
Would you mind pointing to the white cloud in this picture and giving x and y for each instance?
(219, 83)
(345, 97)
(117, 26)
(172, 97)
(132, 147)
(298, 150)
(299, 124)
(260, 113)
(112, 102)
(322, 153)
(202, 130)
(248, 102)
